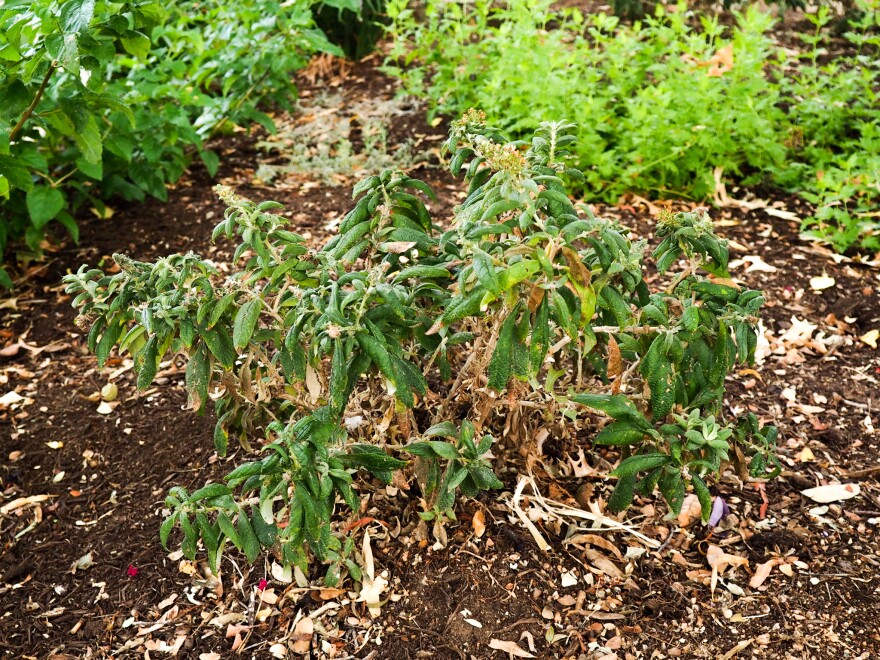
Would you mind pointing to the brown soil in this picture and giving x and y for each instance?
(106, 477)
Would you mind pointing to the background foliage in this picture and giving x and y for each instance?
(105, 99)
(663, 103)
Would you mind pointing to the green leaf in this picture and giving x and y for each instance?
(485, 272)
(76, 15)
(371, 458)
(246, 322)
(228, 528)
(459, 308)
(210, 534)
(250, 544)
(445, 429)
(672, 487)
(662, 384)
(211, 490)
(190, 537)
(500, 364)
(703, 495)
(421, 273)
(64, 48)
(265, 531)
(107, 342)
(43, 204)
(639, 463)
(338, 376)
(623, 493)
(420, 449)
(484, 477)
(221, 438)
(137, 44)
(211, 161)
(148, 361)
(443, 449)
(540, 339)
(378, 354)
(198, 377)
(218, 309)
(88, 139)
(615, 303)
(165, 529)
(615, 405)
(220, 346)
(619, 433)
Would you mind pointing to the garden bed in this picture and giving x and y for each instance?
(97, 481)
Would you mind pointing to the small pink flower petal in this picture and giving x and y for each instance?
(132, 571)
(263, 584)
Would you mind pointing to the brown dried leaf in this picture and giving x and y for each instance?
(762, 573)
(598, 541)
(719, 561)
(302, 635)
(604, 564)
(479, 523)
(832, 492)
(720, 63)
(576, 268)
(509, 647)
(690, 510)
(535, 298)
(615, 364)
(397, 247)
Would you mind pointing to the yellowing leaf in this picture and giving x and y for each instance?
(806, 455)
(109, 392)
(870, 338)
(576, 268)
(821, 282)
(373, 585)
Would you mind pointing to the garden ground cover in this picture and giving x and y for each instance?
(597, 595)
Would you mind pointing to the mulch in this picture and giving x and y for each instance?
(82, 574)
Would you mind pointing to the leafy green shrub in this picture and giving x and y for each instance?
(396, 338)
(52, 126)
(661, 106)
(835, 129)
(115, 98)
(635, 9)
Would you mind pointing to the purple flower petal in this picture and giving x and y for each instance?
(719, 511)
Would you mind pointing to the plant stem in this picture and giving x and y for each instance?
(634, 330)
(30, 109)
